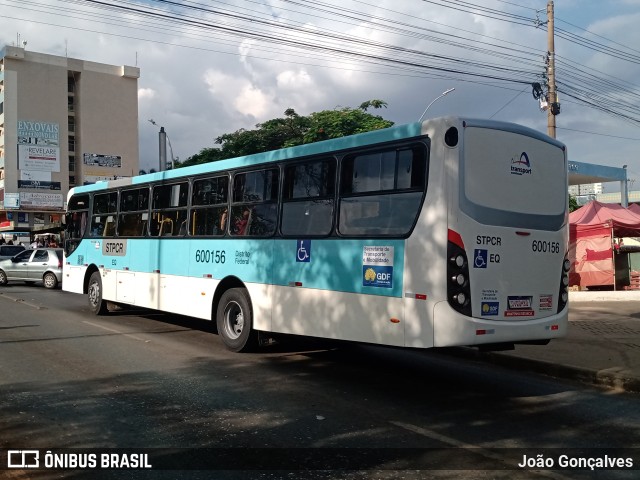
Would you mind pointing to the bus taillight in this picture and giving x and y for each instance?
(563, 294)
(458, 288)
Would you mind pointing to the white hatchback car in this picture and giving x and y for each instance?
(31, 266)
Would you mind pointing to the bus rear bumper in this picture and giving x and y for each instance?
(453, 329)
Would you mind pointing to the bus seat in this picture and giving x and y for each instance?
(166, 228)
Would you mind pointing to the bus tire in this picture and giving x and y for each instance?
(234, 320)
(96, 304)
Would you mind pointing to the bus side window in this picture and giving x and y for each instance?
(105, 206)
(308, 198)
(381, 192)
(132, 221)
(209, 202)
(254, 208)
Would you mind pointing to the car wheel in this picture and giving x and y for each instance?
(50, 280)
(3, 278)
(234, 319)
(96, 304)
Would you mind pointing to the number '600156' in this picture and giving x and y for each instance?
(210, 256)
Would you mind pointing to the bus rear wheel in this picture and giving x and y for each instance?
(96, 304)
(234, 319)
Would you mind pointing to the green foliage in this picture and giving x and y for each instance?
(372, 103)
(573, 203)
(340, 123)
(293, 130)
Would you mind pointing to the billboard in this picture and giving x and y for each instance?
(41, 200)
(37, 158)
(38, 133)
(98, 160)
(38, 180)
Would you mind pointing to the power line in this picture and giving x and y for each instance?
(599, 134)
(506, 62)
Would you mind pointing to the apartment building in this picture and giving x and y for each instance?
(63, 122)
(586, 189)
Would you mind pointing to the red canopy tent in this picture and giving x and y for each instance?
(592, 233)
(635, 208)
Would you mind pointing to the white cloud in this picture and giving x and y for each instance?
(203, 84)
(146, 94)
(252, 101)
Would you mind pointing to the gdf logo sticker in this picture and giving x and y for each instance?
(377, 266)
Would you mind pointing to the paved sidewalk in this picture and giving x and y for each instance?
(602, 347)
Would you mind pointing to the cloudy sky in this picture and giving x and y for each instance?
(212, 67)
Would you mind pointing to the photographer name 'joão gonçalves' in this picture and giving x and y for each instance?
(564, 461)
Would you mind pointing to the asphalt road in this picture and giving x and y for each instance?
(299, 409)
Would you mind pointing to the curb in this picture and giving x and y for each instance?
(605, 296)
(611, 378)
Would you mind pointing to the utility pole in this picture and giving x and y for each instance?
(162, 149)
(554, 106)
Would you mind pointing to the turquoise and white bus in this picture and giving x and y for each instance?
(447, 232)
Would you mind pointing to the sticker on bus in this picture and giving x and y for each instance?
(116, 248)
(377, 266)
(303, 253)
(519, 306)
(489, 308)
(546, 302)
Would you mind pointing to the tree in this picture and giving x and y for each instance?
(573, 203)
(292, 130)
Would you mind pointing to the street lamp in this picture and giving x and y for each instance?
(446, 92)
(163, 138)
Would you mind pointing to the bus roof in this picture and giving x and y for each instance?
(406, 131)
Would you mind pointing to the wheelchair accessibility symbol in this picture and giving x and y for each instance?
(479, 258)
(304, 251)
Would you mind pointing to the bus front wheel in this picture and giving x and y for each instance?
(96, 304)
(234, 319)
